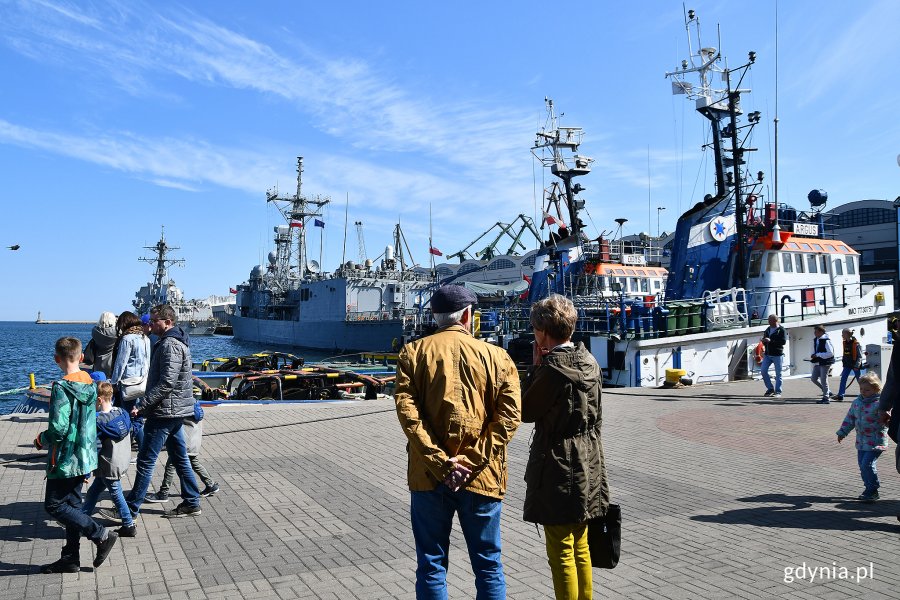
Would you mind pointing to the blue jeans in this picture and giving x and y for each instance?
(115, 491)
(764, 370)
(432, 518)
(159, 432)
(868, 469)
(844, 374)
(63, 502)
(820, 378)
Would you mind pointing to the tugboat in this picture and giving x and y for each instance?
(736, 257)
(195, 316)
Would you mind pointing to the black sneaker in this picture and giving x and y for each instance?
(869, 496)
(769, 393)
(104, 548)
(157, 497)
(127, 531)
(210, 490)
(838, 398)
(63, 565)
(183, 510)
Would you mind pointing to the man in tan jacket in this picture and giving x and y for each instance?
(458, 401)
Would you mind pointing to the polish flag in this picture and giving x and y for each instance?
(232, 290)
(296, 222)
(435, 251)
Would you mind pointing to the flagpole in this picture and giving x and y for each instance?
(346, 212)
(430, 241)
(321, 236)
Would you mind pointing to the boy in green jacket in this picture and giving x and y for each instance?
(71, 441)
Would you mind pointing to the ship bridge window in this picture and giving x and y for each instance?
(468, 268)
(812, 263)
(798, 263)
(657, 285)
(806, 246)
(755, 264)
(501, 263)
(818, 248)
(838, 267)
(824, 263)
(787, 262)
(645, 285)
(529, 262)
(851, 265)
(772, 265)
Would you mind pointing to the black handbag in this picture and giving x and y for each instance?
(605, 538)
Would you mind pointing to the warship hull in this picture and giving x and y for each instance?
(339, 336)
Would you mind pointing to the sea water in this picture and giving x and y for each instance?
(26, 347)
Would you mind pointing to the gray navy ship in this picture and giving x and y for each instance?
(292, 302)
(195, 316)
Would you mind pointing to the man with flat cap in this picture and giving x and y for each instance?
(459, 404)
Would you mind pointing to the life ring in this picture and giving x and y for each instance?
(758, 352)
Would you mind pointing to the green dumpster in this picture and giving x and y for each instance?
(677, 318)
(693, 313)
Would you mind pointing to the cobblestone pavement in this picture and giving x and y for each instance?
(725, 494)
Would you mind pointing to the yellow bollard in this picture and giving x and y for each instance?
(31, 384)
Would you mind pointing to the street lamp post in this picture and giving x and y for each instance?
(658, 210)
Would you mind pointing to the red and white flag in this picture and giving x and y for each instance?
(435, 251)
(550, 220)
(296, 222)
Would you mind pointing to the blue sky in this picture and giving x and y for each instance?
(119, 118)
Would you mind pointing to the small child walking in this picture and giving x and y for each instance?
(113, 435)
(192, 430)
(871, 435)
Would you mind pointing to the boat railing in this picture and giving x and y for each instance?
(648, 318)
(798, 304)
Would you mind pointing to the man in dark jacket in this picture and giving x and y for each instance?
(774, 338)
(168, 401)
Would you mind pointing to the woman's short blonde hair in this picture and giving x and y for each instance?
(870, 378)
(555, 316)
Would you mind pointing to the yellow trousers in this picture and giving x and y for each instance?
(570, 561)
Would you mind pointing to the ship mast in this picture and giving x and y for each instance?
(160, 275)
(563, 143)
(296, 210)
(723, 110)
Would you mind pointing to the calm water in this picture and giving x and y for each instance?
(28, 348)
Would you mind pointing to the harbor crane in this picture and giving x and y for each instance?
(505, 229)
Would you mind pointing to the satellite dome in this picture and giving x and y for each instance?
(256, 272)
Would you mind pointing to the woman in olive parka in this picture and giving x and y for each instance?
(566, 475)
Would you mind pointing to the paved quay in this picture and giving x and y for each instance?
(725, 494)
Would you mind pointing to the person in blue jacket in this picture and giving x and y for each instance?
(114, 440)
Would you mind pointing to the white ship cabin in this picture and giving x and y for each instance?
(632, 280)
(801, 276)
